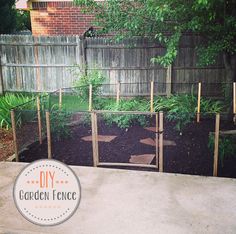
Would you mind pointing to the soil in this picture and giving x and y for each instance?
(6, 144)
(190, 155)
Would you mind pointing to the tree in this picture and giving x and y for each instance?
(166, 20)
(23, 20)
(7, 16)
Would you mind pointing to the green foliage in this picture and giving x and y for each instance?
(7, 16)
(227, 147)
(127, 120)
(178, 108)
(166, 20)
(23, 20)
(182, 108)
(59, 120)
(93, 77)
(10, 101)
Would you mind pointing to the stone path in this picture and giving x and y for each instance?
(142, 159)
(151, 142)
(101, 138)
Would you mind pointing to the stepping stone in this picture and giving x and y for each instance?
(151, 142)
(148, 141)
(101, 138)
(142, 159)
(152, 129)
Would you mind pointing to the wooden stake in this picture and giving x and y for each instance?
(90, 97)
(60, 98)
(216, 149)
(49, 135)
(161, 142)
(157, 162)
(13, 124)
(168, 80)
(234, 101)
(118, 93)
(39, 121)
(151, 96)
(199, 102)
(94, 139)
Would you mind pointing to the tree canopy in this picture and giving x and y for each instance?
(7, 16)
(166, 20)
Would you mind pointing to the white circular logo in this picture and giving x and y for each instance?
(47, 192)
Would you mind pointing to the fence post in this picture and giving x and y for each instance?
(1, 78)
(39, 121)
(161, 142)
(234, 102)
(13, 124)
(90, 97)
(83, 55)
(49, 135)
(94, 139)
(151, 96)
(60, 98)
(199, 102)
(168, 80)
(118, 93)
(156, 140)
(216, 148)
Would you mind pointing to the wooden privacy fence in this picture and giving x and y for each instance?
(43, 63)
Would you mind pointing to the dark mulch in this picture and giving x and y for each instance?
(191, 154)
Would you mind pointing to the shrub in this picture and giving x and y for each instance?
(227, 147)
(127, 120)
(182, 108)
(93, 77)
(179, 108)
(10, 101)
(59, 120)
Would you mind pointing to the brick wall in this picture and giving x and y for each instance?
(58, 18)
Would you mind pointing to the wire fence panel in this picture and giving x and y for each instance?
(126, 139)
(71, 137)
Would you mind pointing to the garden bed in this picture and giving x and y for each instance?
(6, 144)
(188, 153)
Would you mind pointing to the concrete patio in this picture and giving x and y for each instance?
(121, 201)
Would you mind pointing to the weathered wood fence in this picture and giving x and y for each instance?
(44, 63)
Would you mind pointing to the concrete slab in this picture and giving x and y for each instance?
(142, 159)
(122, 201)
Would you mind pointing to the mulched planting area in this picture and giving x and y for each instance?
(6, 144)
(189, 155)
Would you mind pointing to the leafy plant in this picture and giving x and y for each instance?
(210, 106)
(93, 77)
(179, 108)
(182, 108)
(59, 120)
(127, 120)
(227, 147)
(10, 101)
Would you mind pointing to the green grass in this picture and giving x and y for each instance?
(70, 103)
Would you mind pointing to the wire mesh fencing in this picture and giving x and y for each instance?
(82, 134)
(125, 139)
(29, 125)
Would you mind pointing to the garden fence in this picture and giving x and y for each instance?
(41, 126)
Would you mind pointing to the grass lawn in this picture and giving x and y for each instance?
(70, 102)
